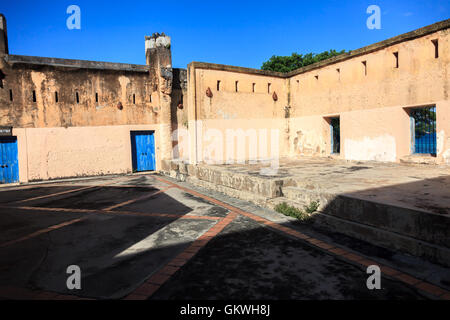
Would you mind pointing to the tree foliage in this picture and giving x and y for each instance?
(425, 121)
(295, 61)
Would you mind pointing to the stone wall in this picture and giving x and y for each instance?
(372, 90)
(74, 117)
(38, 95)
(223, 114)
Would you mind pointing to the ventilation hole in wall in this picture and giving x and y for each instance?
(218, 85)
(236, 84)
(396, 59)
(150, 98)
(339, 73)
(317, 77)
(134, 98)
(77, 97)
(34, 96)
(10, 95)
(253, 87)
(56, 96)
(268, 87)
(96, 97)
(436, 48)
(365, 67)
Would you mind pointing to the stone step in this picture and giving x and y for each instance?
(422, 225)
(418, 159)
(384, 223)
(373, 234)
(383, 238)
(272, 203)
(413, 222)
(239, 194)
(307, 196)
(244, 181)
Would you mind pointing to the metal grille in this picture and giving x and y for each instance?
(424, 121)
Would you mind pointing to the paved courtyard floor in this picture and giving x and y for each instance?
(148, 237)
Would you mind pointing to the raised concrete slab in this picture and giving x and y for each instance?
(404, 207)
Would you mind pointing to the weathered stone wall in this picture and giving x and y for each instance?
(373, 102)
(53, 153)
(179, 114)
(159, 60)
(364, 88)
(227, 103)
(105, 96)
(74, 117)
(222, 114)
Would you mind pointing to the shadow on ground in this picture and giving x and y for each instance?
(117, 253)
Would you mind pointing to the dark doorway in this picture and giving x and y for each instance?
(335, 128)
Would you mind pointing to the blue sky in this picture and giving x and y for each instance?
(242, 33)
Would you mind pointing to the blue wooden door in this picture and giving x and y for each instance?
(143, 151)
(9, 164)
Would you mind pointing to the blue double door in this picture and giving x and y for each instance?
(143, 150)
(9, 164)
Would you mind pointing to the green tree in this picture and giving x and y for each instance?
(295, 61)
(425, 121)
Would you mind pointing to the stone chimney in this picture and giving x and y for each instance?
(3, 36)
(159, 59)
(157, 47)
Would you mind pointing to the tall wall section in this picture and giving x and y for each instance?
(235, 114)
(75, 118)
(372, 90)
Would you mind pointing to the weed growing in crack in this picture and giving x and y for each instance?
(302, 215)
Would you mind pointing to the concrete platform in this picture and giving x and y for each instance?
(404, 207)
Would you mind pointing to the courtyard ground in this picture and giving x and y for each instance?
(149, 237)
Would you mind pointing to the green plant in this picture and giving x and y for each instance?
(312, 207)
(294, 212)
(291, 211)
